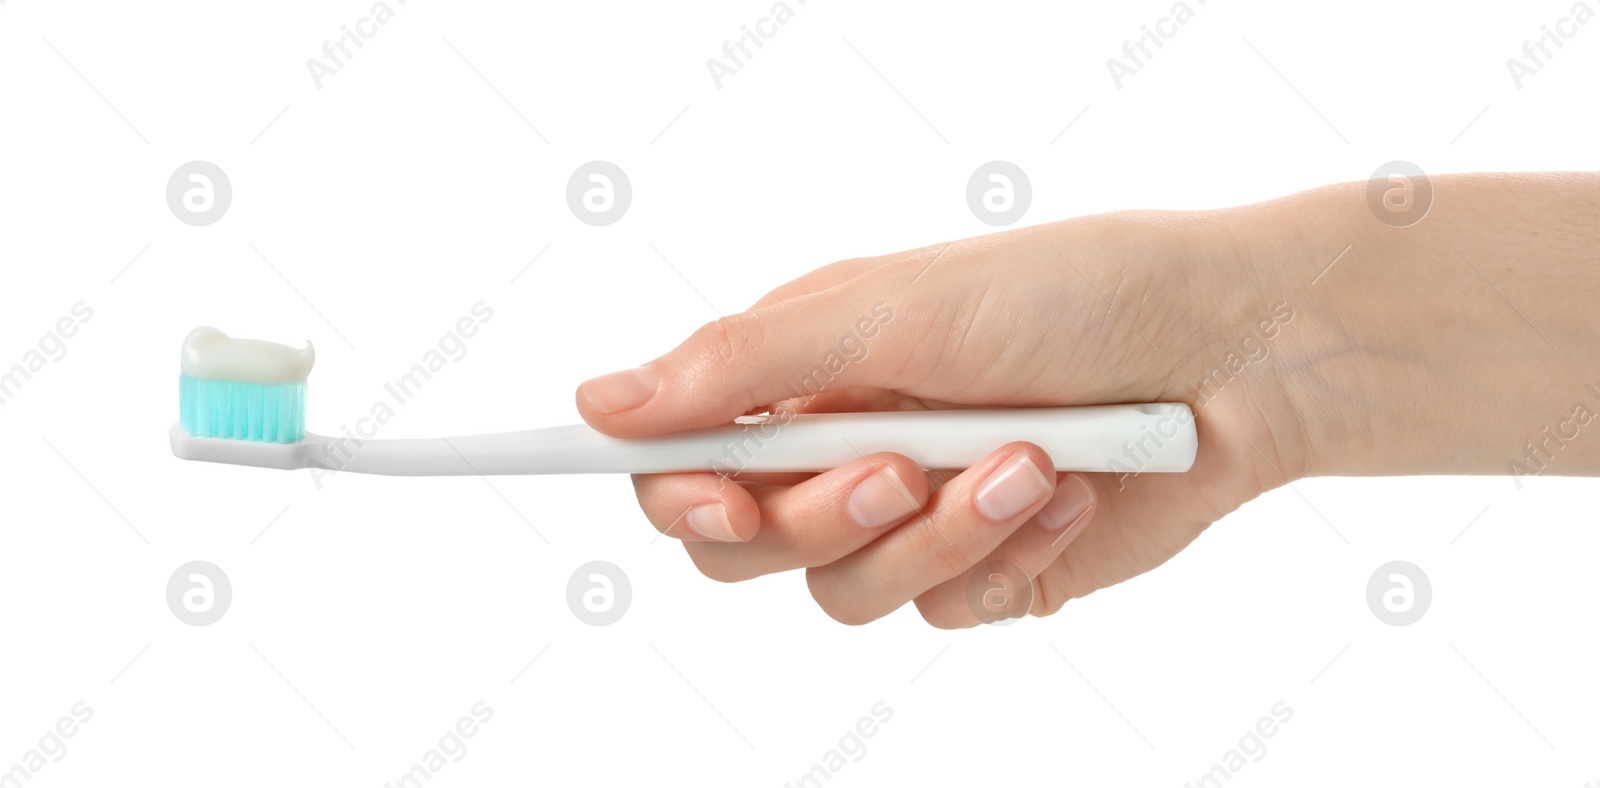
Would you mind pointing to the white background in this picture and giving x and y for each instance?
(409, 187)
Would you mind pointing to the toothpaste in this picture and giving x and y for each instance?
(209, 354)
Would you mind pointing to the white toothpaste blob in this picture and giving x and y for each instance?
(209, 354)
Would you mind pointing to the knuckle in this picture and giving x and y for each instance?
(730, 347)
(947, 558)
(729, 341)
(950, 560)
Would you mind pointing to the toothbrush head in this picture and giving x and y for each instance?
(242, 389)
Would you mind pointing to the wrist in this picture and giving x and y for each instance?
(1453, 345)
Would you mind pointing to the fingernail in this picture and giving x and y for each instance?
(1071, 500)
(620, 391)
(880, 499)
(1016, 485)
(710, 520)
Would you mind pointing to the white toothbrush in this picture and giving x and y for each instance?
(242, 402)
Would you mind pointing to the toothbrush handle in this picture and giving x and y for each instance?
(1156, 438)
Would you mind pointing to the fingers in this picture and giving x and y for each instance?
(875, 537)
(822, 341)
(1134, 531)
(1004, 584)
(695, 507)
(811, 523)
(964, 521)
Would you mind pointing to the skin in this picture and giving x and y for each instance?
(1442, 347)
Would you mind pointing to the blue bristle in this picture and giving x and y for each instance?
(242, 411)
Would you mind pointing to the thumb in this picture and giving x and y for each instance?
(800, 347)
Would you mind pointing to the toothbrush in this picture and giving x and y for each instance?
(242, 402)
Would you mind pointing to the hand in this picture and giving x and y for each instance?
(1108, 309)
(1293, 366)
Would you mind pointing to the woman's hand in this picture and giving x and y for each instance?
(1293, 367)
(1121, 308)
